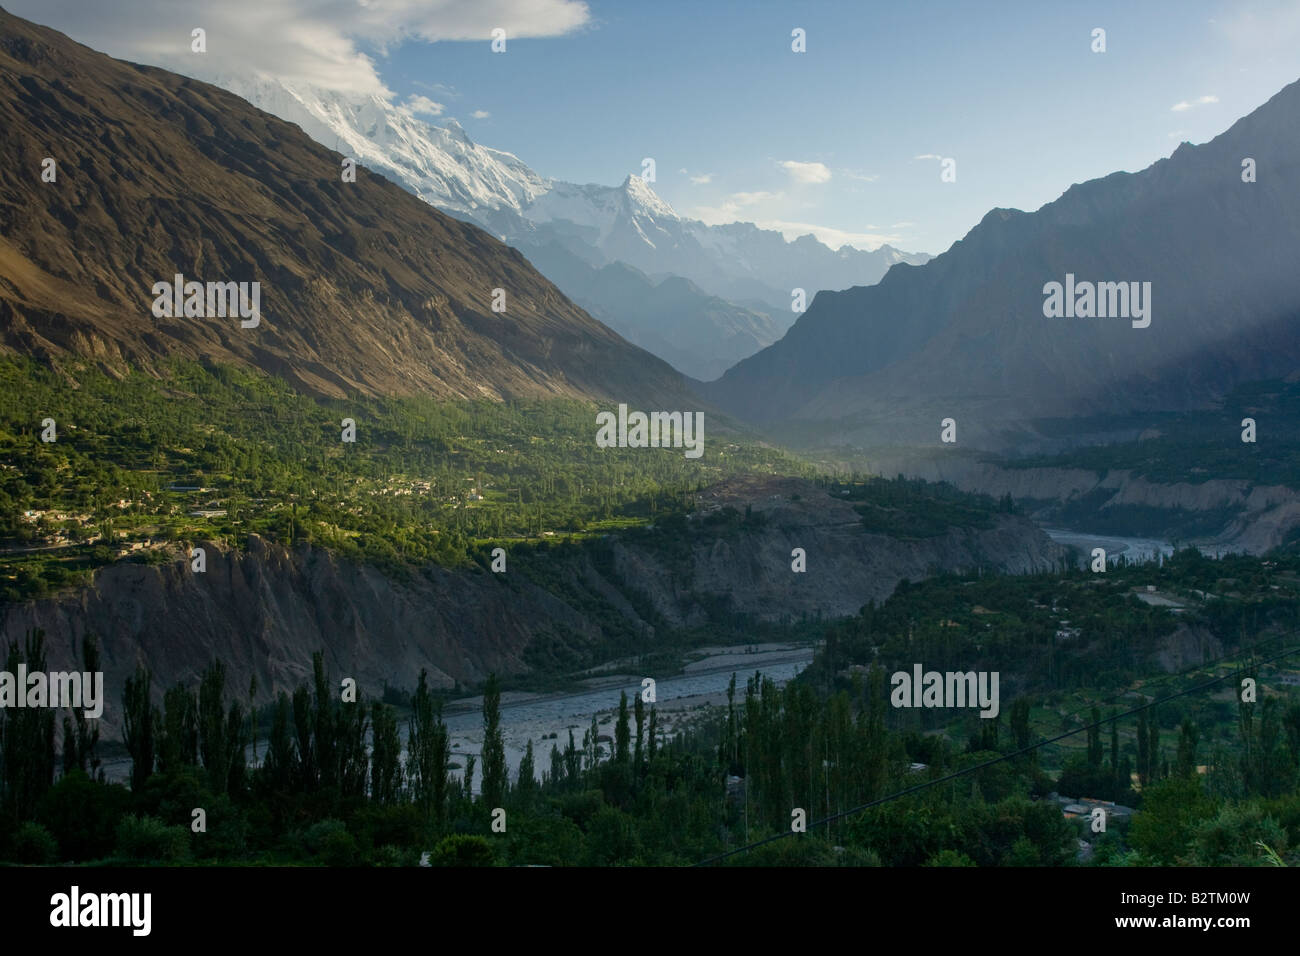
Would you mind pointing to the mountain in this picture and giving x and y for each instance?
(363, 287)
(702, 335)
(966, 335)
(754, 269)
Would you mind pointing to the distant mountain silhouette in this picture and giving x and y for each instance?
(965, 335)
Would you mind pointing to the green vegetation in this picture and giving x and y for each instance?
(1214, 780)
(1195, 446)
(220, 452)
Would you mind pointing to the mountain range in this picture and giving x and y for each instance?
(740, 277)
(363, 287)
(967, 335)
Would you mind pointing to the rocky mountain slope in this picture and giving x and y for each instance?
(752, 269)
(363, 287)
(966, 335)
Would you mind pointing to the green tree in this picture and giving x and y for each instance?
(385, 757)
(1187, 738)
(427, 753)
(494, 751)
(1172, 810)
(639, 714)
(27, 736)
(526, 785)
(622, 732)
(81, 733)
(139, 721)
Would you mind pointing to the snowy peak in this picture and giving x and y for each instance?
(600, 224)
(441, 165)
(642, 200)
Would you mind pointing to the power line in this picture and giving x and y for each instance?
(989, 763)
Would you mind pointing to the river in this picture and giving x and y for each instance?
(1134, 549)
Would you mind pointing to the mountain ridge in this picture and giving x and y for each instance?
(965, 335)
(164, 175)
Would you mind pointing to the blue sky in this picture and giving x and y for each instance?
(824, 141)
(1011, 91)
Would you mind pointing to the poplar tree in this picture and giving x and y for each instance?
(639, 713)
(214, 746)
(622, 733)
(467, 782)
(139, 720)
(557, 767)
(178, 736)
(494, 751)
(526, 786)
(279, 768)
(1094, 739)
(81, 733)
(427, 751)
(572, 763)
(27, 735)
(385, 762)
(1187, 740)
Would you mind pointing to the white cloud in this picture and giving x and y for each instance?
(423, 105)
(480, 114)
(702, 180)
(306, 41)
(864, 177)
(731, 206)
(806, 172)
(829, 235)
(741, 207)
(1185, 105)
(928, 156)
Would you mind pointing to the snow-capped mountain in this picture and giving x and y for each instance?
(440, 164)
(753, 269)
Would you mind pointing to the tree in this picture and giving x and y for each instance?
(639, 713)
(427, 751)
(467, 780)
(557, 767)
(139, 720)
(27, 736)
(526, 786)
(1094, 739)
(622, 733)
(385, 762)
(1020, 722)
(572, 763)
(494, 751)
(178, 738)
(1172, 810)
(1187, 738)
(80, 733)
(279, 768)
(1143, 750)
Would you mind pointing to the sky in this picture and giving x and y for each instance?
(844, 140)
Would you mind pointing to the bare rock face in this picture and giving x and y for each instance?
(264, 610)
(846, 566)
